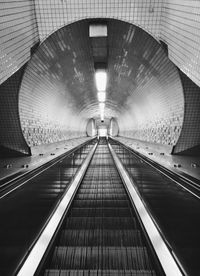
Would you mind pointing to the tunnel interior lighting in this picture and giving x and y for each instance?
(101, 96)
(103, 132)
(98, 30)
(102, 117)
(101, 80)
(101, 108)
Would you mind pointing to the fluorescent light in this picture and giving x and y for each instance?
(96, 30)
(101, 107)
(101, 80)
(101, 96)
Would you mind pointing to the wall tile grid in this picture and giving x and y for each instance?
(190, 135)
(154, 110)
(11, 135)
(52, 91)
(18, 33)
(43, 114)
(176, 22)
(52, 14)
(180, 29)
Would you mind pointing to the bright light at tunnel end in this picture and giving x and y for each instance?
(101, 80)
(101, 108)
(101, 96)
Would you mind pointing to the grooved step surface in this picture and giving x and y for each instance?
(175, 210)
(24, 211)
(99, 237)
(104, 257)
(100, 234)
(92, 272)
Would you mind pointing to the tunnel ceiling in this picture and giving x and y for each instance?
(140, 77)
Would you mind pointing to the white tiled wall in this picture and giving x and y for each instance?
(190, 134)
(178, 26)
(52, 14)
(176, 22)
(18, 33)
(47, 109)
(180, 29)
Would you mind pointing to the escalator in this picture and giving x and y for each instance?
(175, 209)
(101, 234)
(28, 205)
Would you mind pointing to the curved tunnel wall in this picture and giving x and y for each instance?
(144, 87)
(176, 23)
(189, 140)
(156, 109)
(54, 88)
(12, 142)
(91, 129)
(113, 129)
(160, 19)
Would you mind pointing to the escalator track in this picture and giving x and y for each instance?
(26, 208)
(101, 234)
(174, 208)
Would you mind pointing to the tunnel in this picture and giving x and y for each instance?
(144, 92)
(115, 83)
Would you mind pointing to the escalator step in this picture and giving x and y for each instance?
(96, 196)
(105, 223)
(100, 234)
(100, 257)
(99, 237)
(100, 212)
(101, 203)
(58, 272)
(100, 190)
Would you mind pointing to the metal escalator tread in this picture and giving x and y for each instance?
(99, 237)
(100, 234)
(102, 223)
(105, 257)
(79, 272)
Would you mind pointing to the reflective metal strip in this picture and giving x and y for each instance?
(35, 256)
(164, 255)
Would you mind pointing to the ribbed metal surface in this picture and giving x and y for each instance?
(100, 235)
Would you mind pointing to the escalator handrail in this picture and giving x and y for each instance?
(21, 179)
(168, 259)
(29, 264)
(187, 184)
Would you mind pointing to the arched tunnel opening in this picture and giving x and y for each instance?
(58, 93)
(100, 117)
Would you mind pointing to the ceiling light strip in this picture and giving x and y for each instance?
(101, 80)
(101, 96)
